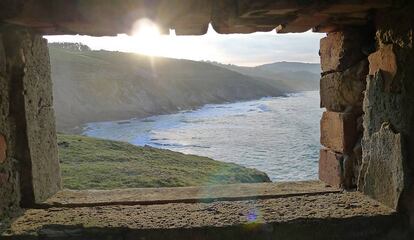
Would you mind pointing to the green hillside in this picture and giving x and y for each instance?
(102, 85)
(287, 76)
(90, 163)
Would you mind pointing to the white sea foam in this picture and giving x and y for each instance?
(279, 136)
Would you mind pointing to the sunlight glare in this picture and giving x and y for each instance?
(146, 38)
(241, 49)
(145, 28)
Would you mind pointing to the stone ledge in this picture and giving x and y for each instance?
(339, 215)
(148, 196)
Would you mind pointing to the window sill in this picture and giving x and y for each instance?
(150, 196)
(297, 210)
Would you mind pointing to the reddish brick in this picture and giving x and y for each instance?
(342, 90)
(341, 50)
(3, 149)
(339, 131)
(330, 170)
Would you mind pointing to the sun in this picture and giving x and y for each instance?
(146, 37)
(145, 28)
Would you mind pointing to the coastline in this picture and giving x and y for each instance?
(81, 127)
(268, 134)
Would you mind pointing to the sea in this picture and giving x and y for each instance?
(276, 135)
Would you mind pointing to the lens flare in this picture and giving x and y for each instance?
(252, 215)
(255, 220)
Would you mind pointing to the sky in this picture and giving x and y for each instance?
(239, 49)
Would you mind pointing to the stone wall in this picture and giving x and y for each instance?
(9, 188)
(367, 89)
(344, 62)
(29, 167)
(388, 142)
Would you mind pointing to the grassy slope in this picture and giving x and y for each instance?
(287, 76)
(90, 163)
(101, 85)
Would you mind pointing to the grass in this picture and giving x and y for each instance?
(91, 163)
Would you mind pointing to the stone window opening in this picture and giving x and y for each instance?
(336, 123)
(359, 79)
(66, 81)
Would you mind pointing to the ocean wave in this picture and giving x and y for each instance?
(148, 120)
(177, 145)
(283, 143)
(123, 122)
(264, 108)
(192, 120)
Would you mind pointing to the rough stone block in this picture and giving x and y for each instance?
(341, 90)
(348, 164)
(302, 23)
(2, 58)
(4, 178)
(380, 107)
(341, 50)
(33, 134)
(338, 131)
(350, 7)
(330, 170)
(41, 130)
(3, 149)
(247, 9)
(188, 21)
(384, 59)
(382, 166)
(357, 152)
